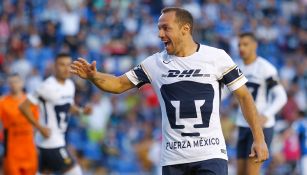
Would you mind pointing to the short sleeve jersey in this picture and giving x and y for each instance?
(262, 76)
(188, 89)
(54, 100)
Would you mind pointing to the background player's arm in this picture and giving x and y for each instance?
(25, 108)
(250, 113)
(279, 99)
(105, 82)
(76, 110)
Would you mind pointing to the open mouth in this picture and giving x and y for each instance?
(166, 43)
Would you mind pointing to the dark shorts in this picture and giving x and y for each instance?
(206, 167)
(245, 141)
(55, 160)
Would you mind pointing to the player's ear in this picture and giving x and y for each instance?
(185, 29)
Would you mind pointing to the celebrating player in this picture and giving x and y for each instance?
(186, 77)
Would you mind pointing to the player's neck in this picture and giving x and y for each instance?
(18, 94)
(188, 48)
(60, 80)
(250, 59)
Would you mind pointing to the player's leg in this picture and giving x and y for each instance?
(243, 149)
(75, 170)
(43, 161)
(254, 168)
(55, 160)
(209, 167)
(11, 169)
(178, 169)
(29, 170)
(241, 166)
(11, 166)
(31, 167)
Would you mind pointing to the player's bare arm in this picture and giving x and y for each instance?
(105, 82)
(25, 109)
(259, 149)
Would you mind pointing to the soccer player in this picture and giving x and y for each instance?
(269, 97)
(186, 77)
(20, 156)
(55, 97)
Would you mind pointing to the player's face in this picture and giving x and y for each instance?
(247, 47)
(170, 32)
(62, 67)
(15, 84)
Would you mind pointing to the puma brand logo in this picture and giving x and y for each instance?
(223, 151)
(166, 62)
(185, 73)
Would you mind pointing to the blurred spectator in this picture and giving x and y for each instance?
(287, 73)
(4, 28)
(193, 7)
(99, 118)
(33, 81)
(300, 127)
(300, 80)
(22, 67)
(266, 31)
(291, 150)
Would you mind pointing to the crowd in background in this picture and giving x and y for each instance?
(123, 133)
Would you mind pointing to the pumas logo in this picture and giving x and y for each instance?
(185, 73)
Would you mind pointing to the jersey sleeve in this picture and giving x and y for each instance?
(229, 73)
(43, 92)
(138, 75)
(277, 96)
(271, 77)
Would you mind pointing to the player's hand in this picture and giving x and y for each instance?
(259, 152)
(83, 69)
(46, 132)
(87, 110)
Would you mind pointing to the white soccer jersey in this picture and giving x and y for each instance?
(262, 77)
(188, 89)
(54, 100)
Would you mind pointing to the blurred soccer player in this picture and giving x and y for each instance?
(268, 95)
(55, 97)
(20, 156)
(186, 77)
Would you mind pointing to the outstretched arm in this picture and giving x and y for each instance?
(259, 148)
(105, 82)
